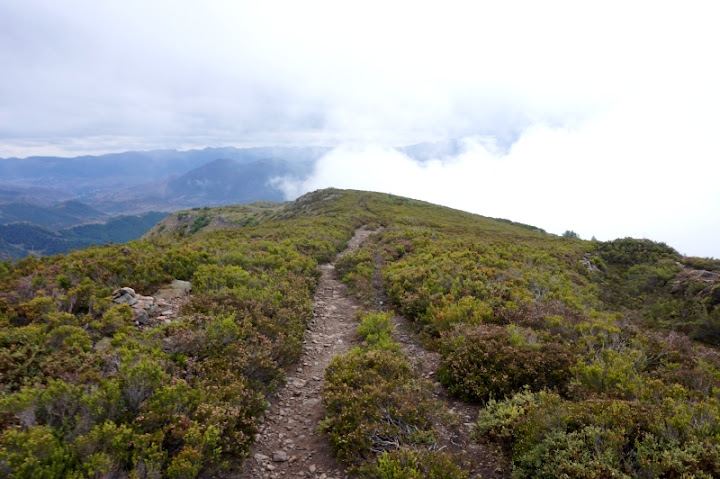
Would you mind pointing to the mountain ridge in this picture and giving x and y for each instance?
(561, 357)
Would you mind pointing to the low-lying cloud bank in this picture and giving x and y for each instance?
(619, 174)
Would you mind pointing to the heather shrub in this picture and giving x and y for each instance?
(448, 311)
(375, 402)
(356, 270)
(117, 318)
(33, 453)
(484, 362)
(548, 436)
(417, 464)
(376, 329)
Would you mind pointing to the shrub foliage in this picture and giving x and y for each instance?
(589, 359)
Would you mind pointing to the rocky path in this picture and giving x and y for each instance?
(289, 444)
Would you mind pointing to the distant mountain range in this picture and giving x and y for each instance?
(44, 200)
(47, 180)
(219, 182)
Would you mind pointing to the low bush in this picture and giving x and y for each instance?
(416, 464)
(484, 362)
(380, 413)
(550, 437)
(376, 329)
(375, 403)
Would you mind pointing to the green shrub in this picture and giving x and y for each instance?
(201, 221)
(32, 453)
(417, 464)
(375, 402)
(589, 452)
(484, 362)
(372, 404)
(376, 329)
(466, 310)
(548, 436)
(117, 318)
(629, 251)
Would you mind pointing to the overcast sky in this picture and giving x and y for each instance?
(600, 117)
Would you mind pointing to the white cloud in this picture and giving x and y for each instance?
(612, 176)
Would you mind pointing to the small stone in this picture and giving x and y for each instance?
(261, 457)
(270, 467)
(280, 456)
(141, 316)
(312, 468)
(299, 383)
(316, 378)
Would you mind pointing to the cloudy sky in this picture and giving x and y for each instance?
(600, 117)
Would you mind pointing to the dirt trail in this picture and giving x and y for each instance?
(288, 444)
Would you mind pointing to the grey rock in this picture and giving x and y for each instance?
(167, 294)
(141, 316)
(131, 300)
(124, 291)
(280, 456)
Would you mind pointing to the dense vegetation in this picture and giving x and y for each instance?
(581, 353)
(589, 359)
(86, 392)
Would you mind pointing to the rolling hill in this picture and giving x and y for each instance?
(21, 239)
(468, 346)
(65, 214)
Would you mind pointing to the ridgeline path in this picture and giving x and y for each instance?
(289, 444)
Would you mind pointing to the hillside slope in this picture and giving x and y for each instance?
(18, 240)
(582, 359)
(65, 214)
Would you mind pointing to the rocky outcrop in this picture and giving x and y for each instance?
(124, 295)
(162, 306)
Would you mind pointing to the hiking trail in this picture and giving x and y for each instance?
(289, 444)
